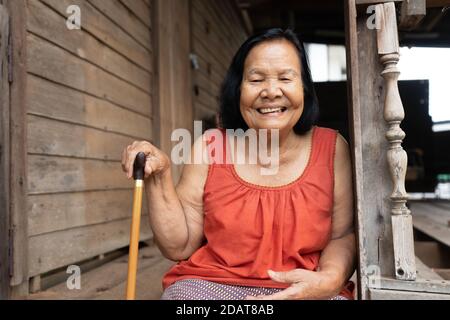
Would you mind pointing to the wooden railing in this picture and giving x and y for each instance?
(402, 227)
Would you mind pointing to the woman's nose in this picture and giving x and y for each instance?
(272, 90)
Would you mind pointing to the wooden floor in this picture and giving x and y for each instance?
(108, 282)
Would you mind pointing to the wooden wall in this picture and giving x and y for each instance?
(80, 96)
(89, 94)
(216, 34)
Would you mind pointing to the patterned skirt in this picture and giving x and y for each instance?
(198, 289)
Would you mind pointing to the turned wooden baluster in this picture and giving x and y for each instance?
(402, 227)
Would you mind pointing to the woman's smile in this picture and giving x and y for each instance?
(271, 111)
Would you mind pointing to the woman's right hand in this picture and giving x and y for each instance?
(156, 161)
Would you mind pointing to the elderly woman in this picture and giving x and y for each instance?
(237, 233)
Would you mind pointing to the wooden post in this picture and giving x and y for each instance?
(173, 104)
(4, 154)
(402, 228)
(365, 92)
(18, 183)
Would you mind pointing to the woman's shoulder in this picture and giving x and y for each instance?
(331, 140)
(326, 130)
(331, 133)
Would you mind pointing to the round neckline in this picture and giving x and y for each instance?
(283, 186)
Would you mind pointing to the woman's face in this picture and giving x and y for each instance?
(271, 88)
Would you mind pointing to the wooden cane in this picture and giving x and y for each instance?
(138, 176)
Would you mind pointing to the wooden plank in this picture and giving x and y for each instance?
(203, 52)
(419, 285)
(156, 123)
(48, 174)
(442, 204)
(208, 87)
(4, 154)
(62, 103)
(211, 62)
(351, 29)
(431, 228)
(424, 272)
(213, 48)
(437, 3)
(223, 21)
(443, 273)
(106, 31)
(106, 281)
(202, 112)
(429, 3)
(148, 284)
(228, 22)
(205, 97)
(125, 20)
(209, 71)
(54, 212)
(18, 149)
(377, 294)
(436, 212)
(50, 25)
(53, 137)
(203, 81)
(35, 284)
(432, 253)
(140, 10)
(375, 1)
(411, 13)
(50, 251)
(147, 2)
(55, 64)
(174, 92)
(206, 27)
(241, 16)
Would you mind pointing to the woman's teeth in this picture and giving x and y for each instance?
(271, 110)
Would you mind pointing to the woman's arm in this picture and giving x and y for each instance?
(176, 214)
(338, 257)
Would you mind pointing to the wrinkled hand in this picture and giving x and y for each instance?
(305, 284)
(156, 161)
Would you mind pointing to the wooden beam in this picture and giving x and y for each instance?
(411, 14)
(358, 2)
(380, 294)
(419, 285)
(355, 133)
(18, 149)
(437, 3)
(173, 72)
(429, 3)
(4, 154)
(243, 16)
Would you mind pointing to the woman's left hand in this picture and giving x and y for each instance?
(305, 284)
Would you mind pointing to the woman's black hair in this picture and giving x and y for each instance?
(230, 93)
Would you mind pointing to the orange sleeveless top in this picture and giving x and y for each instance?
(251, 228)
